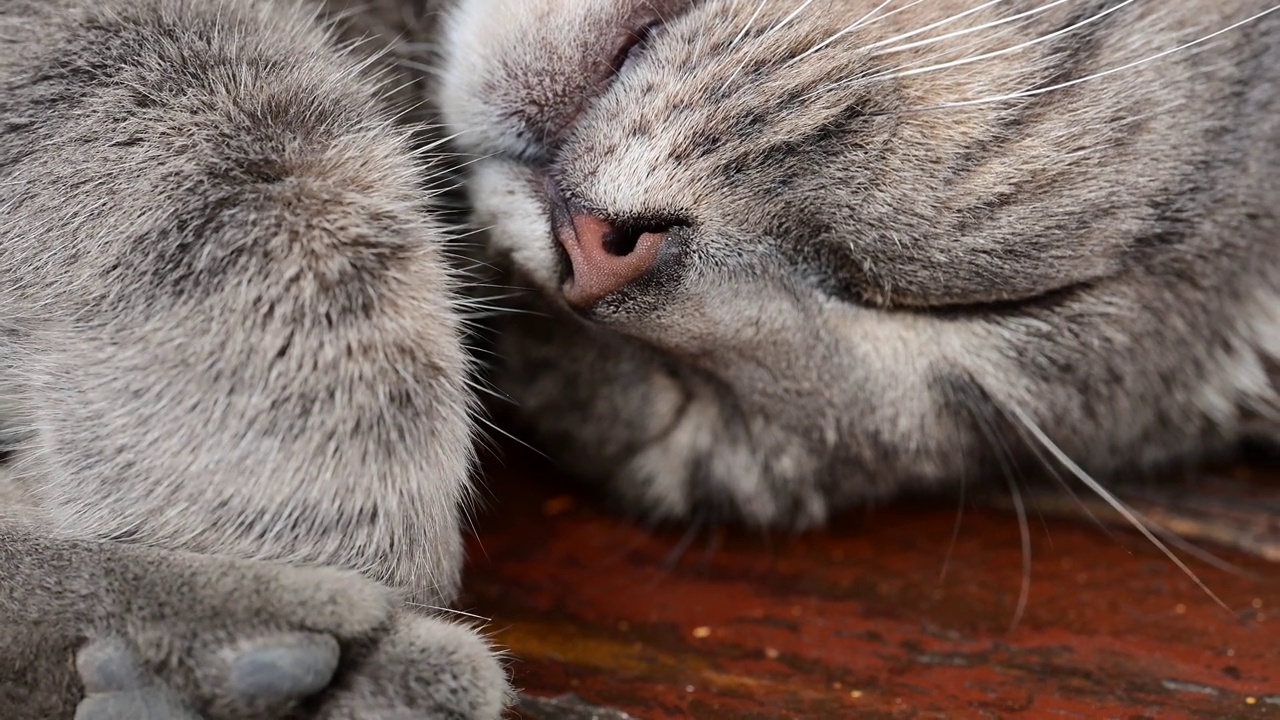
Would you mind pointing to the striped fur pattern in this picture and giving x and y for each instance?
(910, 241)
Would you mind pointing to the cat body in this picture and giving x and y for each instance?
(784, 257)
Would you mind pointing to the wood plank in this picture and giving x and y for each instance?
(883, 615)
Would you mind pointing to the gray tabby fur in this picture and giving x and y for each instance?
(233, 353)
(881, 275)
(233, 345)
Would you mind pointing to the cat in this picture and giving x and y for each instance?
(791, 255)
(234, 354)
(784, 255)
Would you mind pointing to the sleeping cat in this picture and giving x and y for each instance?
(793, 254)
(785, 255)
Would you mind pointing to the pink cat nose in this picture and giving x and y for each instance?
(605, 256)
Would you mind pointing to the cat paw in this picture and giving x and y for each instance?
(273, 642)
(420, 668)
(659, 435)
(256, 678)
(423, 668)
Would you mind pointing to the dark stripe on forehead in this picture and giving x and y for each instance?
(835, 135)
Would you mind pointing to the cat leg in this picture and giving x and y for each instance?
(230, 324)
(662, 437)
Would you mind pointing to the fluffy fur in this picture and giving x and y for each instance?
(229, 328)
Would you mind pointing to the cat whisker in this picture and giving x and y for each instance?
(490, 426)
(895, 74)
(682, 548)
(955, 535)
(737, 70)
(487, 302)
(787, 20)
(954, 394)
(715, 539)
(1171, 538)
(1204, 556)
(1107, 496)
(1024, 533)
(750, 21)
(1103, 73)
(1035, 91)
(931, 26)
(453, 169)
(411, 64)
(959, 49)
(850, 28)
(966, 31)
(450, 611)
(979, 404)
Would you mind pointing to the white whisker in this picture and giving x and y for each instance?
(783, 23)
(955, 532)
(450, 611)
(750, 21)
(966, 31)
(1198, 553)
(1103, 73)
(933, 25)
(1119, 506)
(1005, 51)
(854, 26)
(1024, 532)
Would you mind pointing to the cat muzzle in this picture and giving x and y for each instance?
(605, 256)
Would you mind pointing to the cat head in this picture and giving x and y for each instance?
(878, 240)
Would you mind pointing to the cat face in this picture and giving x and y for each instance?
(833, 248)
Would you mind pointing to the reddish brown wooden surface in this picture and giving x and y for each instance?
(859, 621)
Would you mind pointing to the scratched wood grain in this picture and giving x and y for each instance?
(892, 613)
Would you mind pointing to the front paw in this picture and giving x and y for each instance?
(422, 668)
(413, 668)
(160, 635)
(661, 435)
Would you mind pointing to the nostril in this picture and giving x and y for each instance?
(623, 239)
(605, 257)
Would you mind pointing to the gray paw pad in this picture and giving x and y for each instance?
(109, 665)
(151, 703)
(284, 668)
